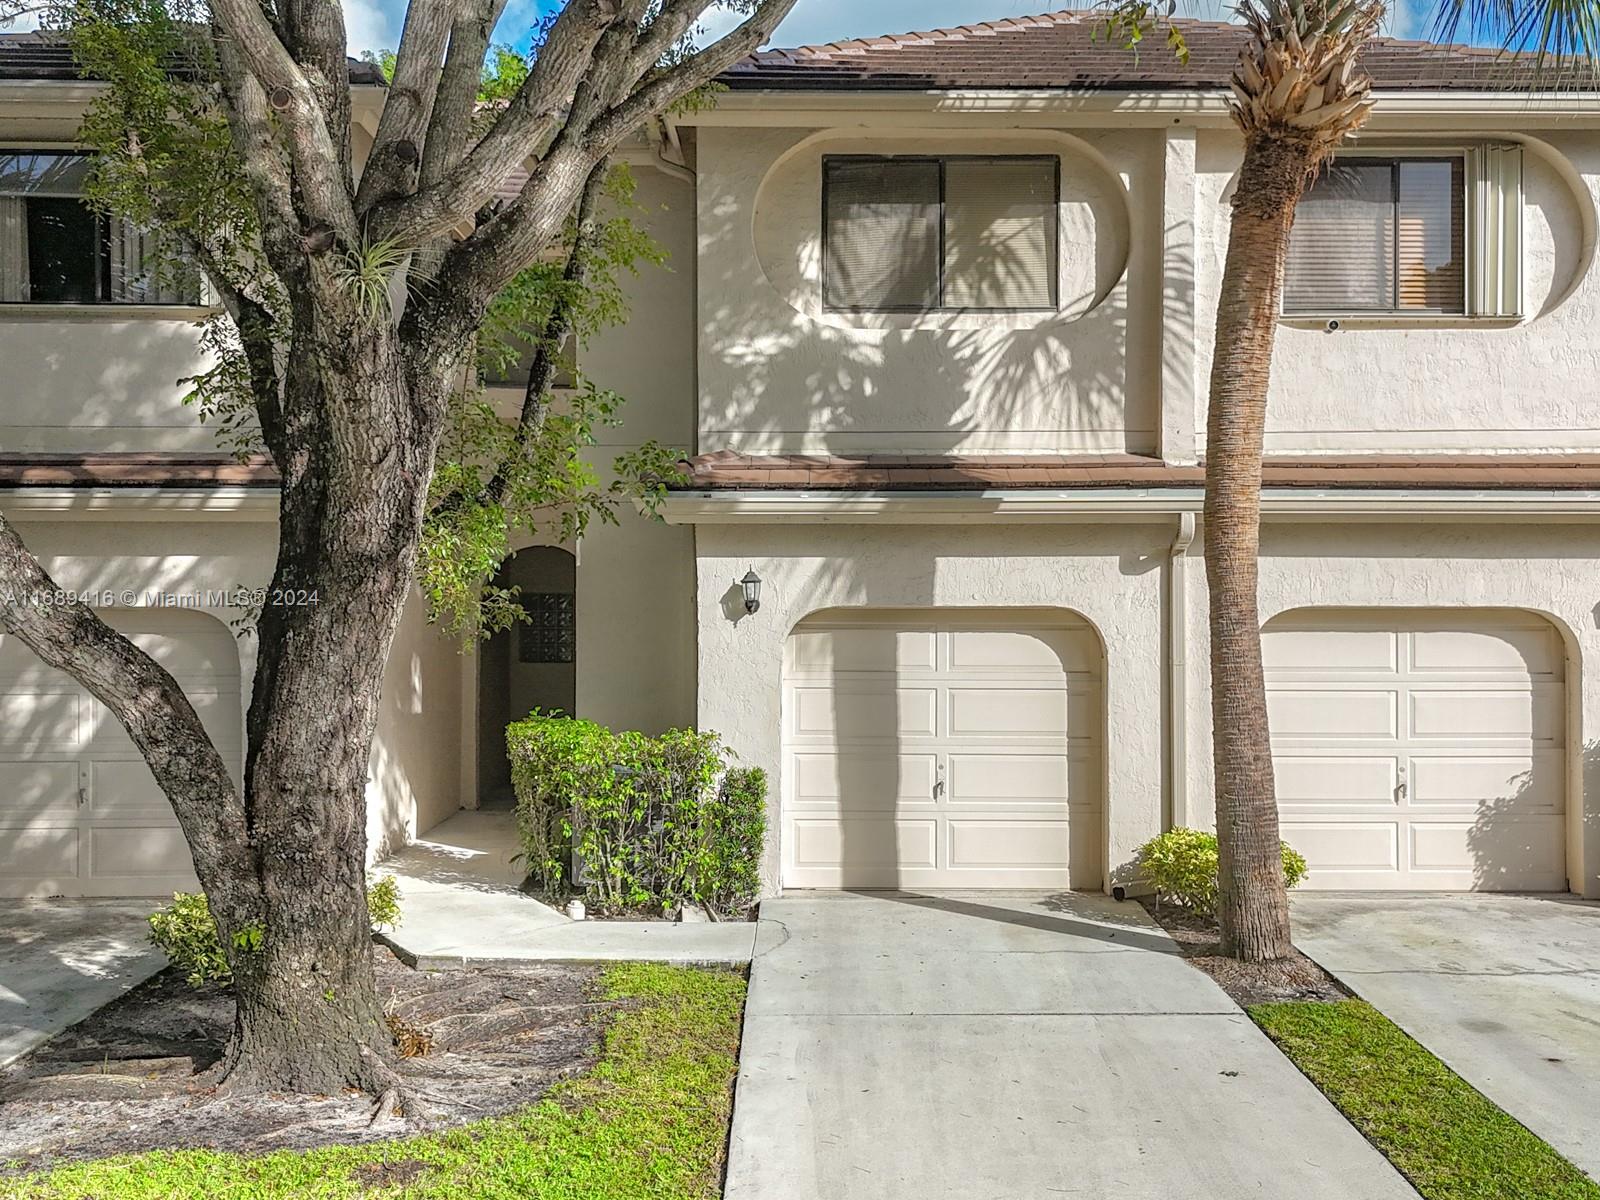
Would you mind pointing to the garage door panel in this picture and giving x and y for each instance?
(1355, 651)
(1501, 715)
(824, 651)
(1296, 712)
(37, 790)
(1477, 748)
(852, 713)
(41, 721)
(126, 790)
(977, 778)
(138, 852)
(977, 843)
(872, 779)
(40, 852)
(832, 843)
(1493, 650)
(1532, 781)
(1345, 845)
(1046, 650)
(1037, 712)
(1355, 781)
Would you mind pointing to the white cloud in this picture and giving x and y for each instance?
(370, 26)
(21, 24)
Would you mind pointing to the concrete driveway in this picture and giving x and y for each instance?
(917, 1047)
(1506, 989)
(62, 959)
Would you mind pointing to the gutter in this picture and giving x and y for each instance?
(714, 506)
(1178, 671)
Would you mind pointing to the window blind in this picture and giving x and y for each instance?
(881, 236)
(1000, 233)
(1380, 235)
(917, 234)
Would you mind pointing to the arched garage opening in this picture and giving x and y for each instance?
(1420, 749)
(80, 813)
(943, 748)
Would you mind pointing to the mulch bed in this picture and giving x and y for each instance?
(129, 1077)
(1295, 978)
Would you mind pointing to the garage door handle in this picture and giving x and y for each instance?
(83, 784)
(938, 783)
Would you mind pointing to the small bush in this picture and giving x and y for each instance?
(1181, 865)
(656, 822)
(187, 934)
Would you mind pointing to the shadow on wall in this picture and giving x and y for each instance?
(1531, 824)
(780, 374)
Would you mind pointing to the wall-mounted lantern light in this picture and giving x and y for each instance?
(751, 583)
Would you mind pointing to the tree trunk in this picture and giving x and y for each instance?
(308, 1016)
(1253, 904)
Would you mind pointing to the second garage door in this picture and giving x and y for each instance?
(1420, 749)
(80, 813)
(942, 748)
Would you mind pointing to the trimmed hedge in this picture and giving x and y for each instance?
(657, 822)
(1181, 864)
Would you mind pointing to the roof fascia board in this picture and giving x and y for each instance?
(1042, 506)
(253, 504)
(779, 107)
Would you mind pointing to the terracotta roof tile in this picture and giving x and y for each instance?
(134, 470)
(1068, 50)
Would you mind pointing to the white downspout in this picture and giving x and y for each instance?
(1178, 669)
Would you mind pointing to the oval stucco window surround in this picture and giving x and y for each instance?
(1093, 212)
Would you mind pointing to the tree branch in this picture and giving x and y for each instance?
(530, 120)
(657, 94)
(455, 99)
(319, 166)
(151, 706)
(393, 165)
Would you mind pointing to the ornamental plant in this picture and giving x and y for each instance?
(1181, 864)
(651, 822)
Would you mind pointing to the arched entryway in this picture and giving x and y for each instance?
(531, 665)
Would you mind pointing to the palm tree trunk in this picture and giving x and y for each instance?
(1253, 904)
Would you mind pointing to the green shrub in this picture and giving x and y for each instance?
(187, 934)
(655, 821)
(1181, 865)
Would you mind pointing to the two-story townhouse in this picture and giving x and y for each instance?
(936, 333)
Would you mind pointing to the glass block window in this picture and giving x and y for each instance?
(550, 633)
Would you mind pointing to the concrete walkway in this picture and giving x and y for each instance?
(62, 959)
(462, 903)
(976, 1045)
(1505, 989)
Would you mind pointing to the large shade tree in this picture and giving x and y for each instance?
(354, 292)
(1298, 92)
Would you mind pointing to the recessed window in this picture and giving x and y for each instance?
(922, 234)
(55, 249)
(550, 634)
(1380, 235)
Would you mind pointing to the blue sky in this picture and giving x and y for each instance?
(376, 23)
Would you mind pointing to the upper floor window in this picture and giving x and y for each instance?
(55, 249)
(911, 234)
(1415, 234)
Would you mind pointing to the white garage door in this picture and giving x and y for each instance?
(942, 749)
(1420, 750)
(80, 813)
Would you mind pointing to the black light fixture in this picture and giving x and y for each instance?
(751, 583)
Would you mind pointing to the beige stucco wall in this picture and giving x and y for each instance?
(1442, 385)
(779, 374)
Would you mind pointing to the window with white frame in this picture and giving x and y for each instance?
(55, 249)
(1424, 234)
(918, 234)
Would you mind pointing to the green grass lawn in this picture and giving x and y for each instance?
(649, 1122)
(1435, 1127)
